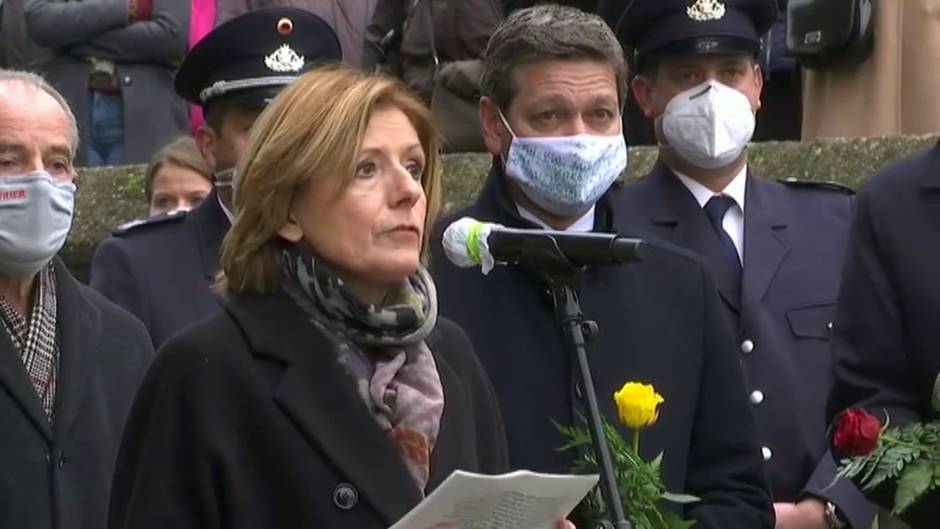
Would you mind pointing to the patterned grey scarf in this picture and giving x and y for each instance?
(406, 318)
(383, 350)
(35, 338)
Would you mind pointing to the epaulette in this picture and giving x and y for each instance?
(817, 185)
(138, 224)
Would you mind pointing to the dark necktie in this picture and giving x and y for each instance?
(715, 209)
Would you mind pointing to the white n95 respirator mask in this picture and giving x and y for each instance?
(710, 125)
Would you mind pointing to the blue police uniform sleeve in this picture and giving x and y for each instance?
(725, 468)
(857, 511)
(115, 277)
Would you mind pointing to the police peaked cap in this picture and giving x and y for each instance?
(250, 58)
(693, 27)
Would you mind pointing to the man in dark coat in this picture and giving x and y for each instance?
(554, 79)
(114, 62)
(775, 249)
(162, 269)
(70, 360)
(886, 337)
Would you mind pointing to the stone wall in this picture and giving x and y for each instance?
(108, 197)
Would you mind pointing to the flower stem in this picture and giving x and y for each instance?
(914, 446)
(636, 442)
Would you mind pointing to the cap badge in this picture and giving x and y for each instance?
(706, 10)
(285, 26)
(706, 45)
(284, 59)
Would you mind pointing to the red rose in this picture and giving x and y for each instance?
(857, 433)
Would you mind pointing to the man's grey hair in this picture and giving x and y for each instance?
(37, 82)
(545, 33)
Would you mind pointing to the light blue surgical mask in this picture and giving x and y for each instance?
(35, 218)
(565, 175)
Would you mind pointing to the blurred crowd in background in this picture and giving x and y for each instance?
(115, 63)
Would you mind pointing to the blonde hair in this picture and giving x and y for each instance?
(181, 152)
(313, 130)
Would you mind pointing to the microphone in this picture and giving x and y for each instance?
(469, 242)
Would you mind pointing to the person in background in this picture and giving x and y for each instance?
(399, 37)
(435, 47)
(886, 337)
(178, 178)
(162, 270)
(359, 400)
(774, 248)
(70, 360)
(554, 82)
(17, 49)
(201, 21)
(347, 18)
(114, 64)
(781, 114)
(588, 6)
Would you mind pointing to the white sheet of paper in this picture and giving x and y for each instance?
(518, 500)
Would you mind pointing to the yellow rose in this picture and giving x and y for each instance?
(638, 405)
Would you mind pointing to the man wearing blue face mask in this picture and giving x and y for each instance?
(554, 81)
(70, 361)
(775, 249)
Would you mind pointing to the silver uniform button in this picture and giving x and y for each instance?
(757, 397)
(747, 346)
(767, 453)
(829, 326)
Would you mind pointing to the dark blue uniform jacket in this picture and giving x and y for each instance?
(162, 270)
(794, 241)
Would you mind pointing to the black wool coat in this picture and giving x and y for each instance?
(59, 476)
(794, 243)
(660, 323)
(886, 341)
(247, 420)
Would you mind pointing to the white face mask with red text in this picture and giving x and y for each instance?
(35, 217)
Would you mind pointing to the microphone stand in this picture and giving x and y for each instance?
(561, 275)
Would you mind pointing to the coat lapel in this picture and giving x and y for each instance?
(15, 381)
(78, 332)
(321, 400)
(765, 244)
(678, 218)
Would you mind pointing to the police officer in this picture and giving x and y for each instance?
(162, 269)
(774, 248)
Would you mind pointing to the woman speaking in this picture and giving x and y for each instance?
(328, 393)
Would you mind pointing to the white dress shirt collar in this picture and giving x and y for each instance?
(735, 189)
(583, 224)
(733, 221)
(228, 212)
